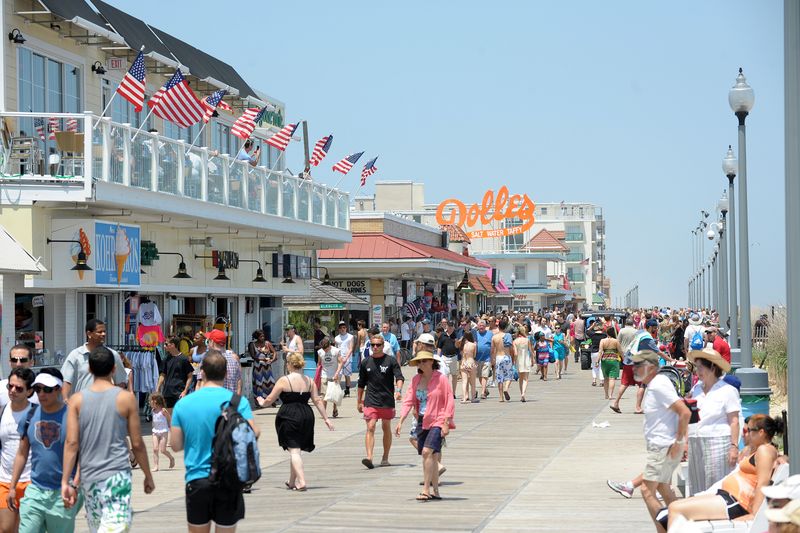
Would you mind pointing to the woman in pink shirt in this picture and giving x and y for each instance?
(431, 397)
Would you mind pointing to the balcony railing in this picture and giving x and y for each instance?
(576, 276)
(575, 257)
(117, 153)
(573, 237)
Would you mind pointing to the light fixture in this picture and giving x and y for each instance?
(723, 204)
(288, 279)
(80, 263)
(326, 279)
(181, 266)
(15, 36)
(221, 274)
(55, 27)
(208, 242)
(259, 273)
(98, 69)
(741, 97)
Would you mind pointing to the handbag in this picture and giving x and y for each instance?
(515, 373)
(334, 393)
(552, 358)
(318, 377)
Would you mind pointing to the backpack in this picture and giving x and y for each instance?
(697, 342)
(234, 450)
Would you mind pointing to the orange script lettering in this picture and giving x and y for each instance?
(499, 208)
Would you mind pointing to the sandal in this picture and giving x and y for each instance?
(366, 462)
(299, 489)
(615, 409)
(422, 497)
(435, 497)
(288, 486)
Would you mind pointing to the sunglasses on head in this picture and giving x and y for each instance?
(18, 388)
(43, 388)
(19, 359)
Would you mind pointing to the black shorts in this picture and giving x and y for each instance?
(170, 401)
(205, 503)
(429, 438)
(735, 509)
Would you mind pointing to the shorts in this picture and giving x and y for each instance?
(660, 466)
(452, 364)
(170, 401)
(206, 503)
(108, 503)
(378, 413)
(347, 367)
(610, 368)
(483, 369)
(627, 376)
(429, 438)
(43, 510)
(735, 509)
(5, 489)
(560, 356)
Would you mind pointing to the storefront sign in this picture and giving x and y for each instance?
(500, 208)
(353, 286)
(377, 315)
(38, 301)
(225, 259)
(331, 306)
(113, 252)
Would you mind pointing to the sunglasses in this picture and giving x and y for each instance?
(19, 359)
(376, 344)
(43, 388)
(750, 430)
(17, 388)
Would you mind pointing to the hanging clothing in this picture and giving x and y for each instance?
(149, 315)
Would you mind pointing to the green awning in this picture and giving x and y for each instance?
(597, 299)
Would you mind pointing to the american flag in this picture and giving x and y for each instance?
(52, 127)
(212, 102)
(72, 125)
(281, 139)
(244, 125)
(321, 150)
(38, 123)
(585, 262)
(413, 309)
(347, 163)
(177, 103)
(369, 170)
(132, 86)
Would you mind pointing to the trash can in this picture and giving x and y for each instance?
(755, 391)
(736, 359)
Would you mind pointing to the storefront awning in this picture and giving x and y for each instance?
(136, 33)
(15, 258)
(80, 14)
(482, 284)
(597, 299)
(325, 298)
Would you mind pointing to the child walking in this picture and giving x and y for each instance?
(161, 423)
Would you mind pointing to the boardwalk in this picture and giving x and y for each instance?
(536, 466)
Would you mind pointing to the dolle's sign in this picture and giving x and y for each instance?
(499, 208)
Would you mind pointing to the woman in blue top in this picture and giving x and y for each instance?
(560, 349)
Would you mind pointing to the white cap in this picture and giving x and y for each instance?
(789, 513)
(426, 338)
(788, 489)
(48, 380)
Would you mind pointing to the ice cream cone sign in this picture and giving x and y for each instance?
(76, 248)
(122, 249)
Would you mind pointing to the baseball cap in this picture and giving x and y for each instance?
(789, 513)
(426, 321)
(288, 327)
(342, 323)
(216, 335)
(426, 338)
(49, 380)
(651, 323)
(646, 356)
(788, 489)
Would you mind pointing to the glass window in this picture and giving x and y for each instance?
(544, 210)
(514, 242)
(520, 272)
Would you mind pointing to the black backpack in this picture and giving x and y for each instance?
(234, 449)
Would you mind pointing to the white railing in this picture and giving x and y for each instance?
(117, 153)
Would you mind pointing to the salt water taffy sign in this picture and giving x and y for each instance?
(492, 208)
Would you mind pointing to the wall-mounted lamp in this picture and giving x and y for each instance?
(55, 27)
(15, 36)
(182, 274)
(80, 262)
(288, 279)
(259, 273)
(98, 68)
(220, 268)
(326, 279)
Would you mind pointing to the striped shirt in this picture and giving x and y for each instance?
(233, 372)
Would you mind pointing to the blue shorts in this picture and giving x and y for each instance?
(429, 438)
(560, 356)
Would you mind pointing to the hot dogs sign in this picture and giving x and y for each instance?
(492, 208)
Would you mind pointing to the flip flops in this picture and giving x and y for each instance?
(366, 462)
(422, 497)
(615, 409)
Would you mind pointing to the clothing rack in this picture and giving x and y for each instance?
(130, 347)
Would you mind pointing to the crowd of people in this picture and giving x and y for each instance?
(71, 436)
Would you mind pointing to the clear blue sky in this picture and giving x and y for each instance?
(620, 103)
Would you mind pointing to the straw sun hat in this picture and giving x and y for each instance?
(711, 355)
(421, 356)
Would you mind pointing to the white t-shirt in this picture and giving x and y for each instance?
(344, 343)
(691, 330)
(715, 407)
(330, 361)
(148, 314)
(9, 438)
(406, 331)
(660, 422)
(4, 399)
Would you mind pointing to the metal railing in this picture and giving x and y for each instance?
(575, 276)
(575, 257)
(573, 237)
(117, 153)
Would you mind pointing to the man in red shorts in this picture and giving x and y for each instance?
(380, 374)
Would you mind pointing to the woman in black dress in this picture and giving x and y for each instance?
(295, 419)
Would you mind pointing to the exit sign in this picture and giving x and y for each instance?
(117, 63)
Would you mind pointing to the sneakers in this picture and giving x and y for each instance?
(347, 392)
(623, 489)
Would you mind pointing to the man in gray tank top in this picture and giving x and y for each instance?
(98, 421)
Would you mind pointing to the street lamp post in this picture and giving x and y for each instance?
(741, 99)
(722, 206)
(729, 166)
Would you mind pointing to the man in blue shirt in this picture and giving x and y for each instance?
(43, 435)
(390, 339)
(193, 422)
(244, 153)
(483, 356)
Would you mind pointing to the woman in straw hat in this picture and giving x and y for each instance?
(431, 396)
(714, 440)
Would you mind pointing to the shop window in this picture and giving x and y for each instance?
(520, 272)
(515, 242)
(29, 321)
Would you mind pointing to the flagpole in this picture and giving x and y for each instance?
(195, 138)
(337, 184)
(104, 110)
(143, 123)
(237, 153)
